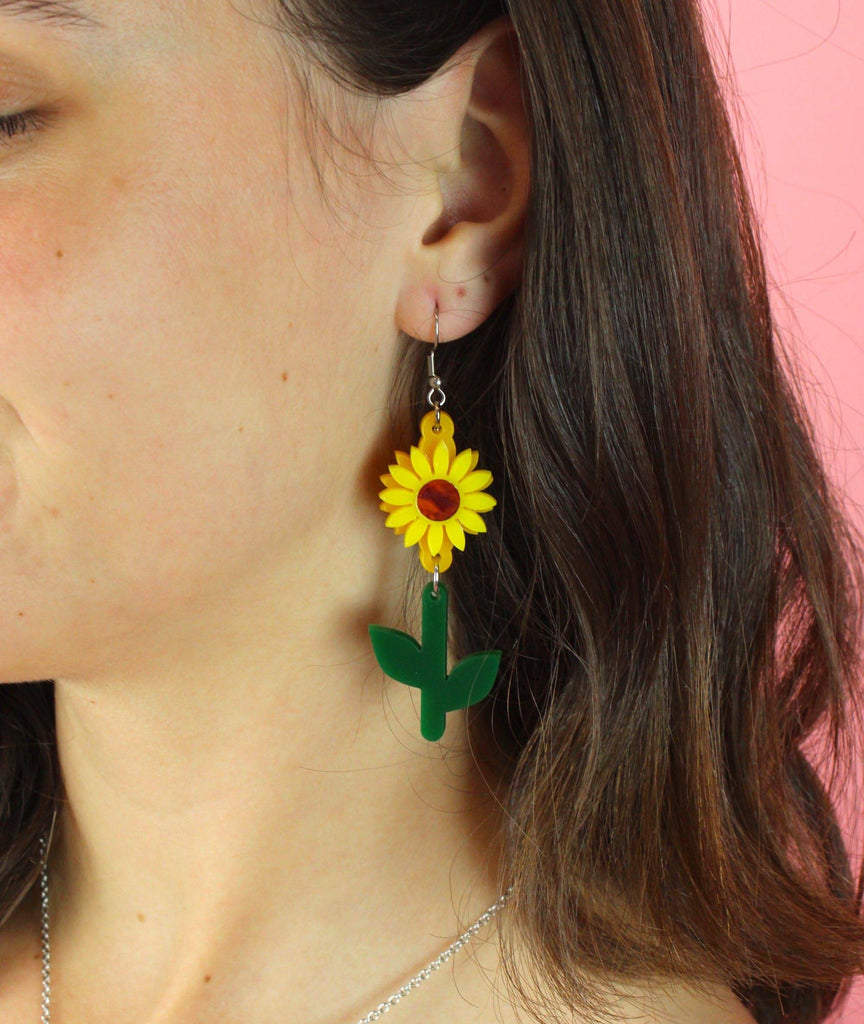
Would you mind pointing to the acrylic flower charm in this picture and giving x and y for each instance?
(433, 496)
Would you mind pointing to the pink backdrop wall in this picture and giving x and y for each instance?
(798, 69)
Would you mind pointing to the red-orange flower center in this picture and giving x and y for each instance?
(438, 500)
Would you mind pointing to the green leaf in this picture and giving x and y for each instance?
(470, 680)
(398, 654)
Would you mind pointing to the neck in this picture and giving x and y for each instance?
(259, 815)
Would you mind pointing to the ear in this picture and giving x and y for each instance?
(467, 255)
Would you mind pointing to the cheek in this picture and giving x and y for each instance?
(179, 374)
(32, 278)
(151, 405)
(27, 264)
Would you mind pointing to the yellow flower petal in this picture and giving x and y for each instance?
(479, 501)
(403, 477)
(455, 533)
(401, 516)
(475, 481)
(415, 531)
(403, 460)
(444, 558)
(440, 459)
(422, 466)
(397, 496)
(470, 520)
(435, 538)
(461, 465)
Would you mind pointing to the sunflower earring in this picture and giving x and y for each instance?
(433, 497)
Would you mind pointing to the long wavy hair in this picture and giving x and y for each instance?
(669, 573)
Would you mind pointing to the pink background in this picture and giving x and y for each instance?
(797, 67)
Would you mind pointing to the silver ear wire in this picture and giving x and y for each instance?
(434, 381)
(435, 385)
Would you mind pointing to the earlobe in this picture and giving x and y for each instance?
(469, 259)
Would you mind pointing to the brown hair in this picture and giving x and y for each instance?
(669, 572)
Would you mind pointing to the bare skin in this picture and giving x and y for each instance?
(195, 356)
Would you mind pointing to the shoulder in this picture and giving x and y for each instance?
(666, 1002)
(492, 1000)
(660, 1002)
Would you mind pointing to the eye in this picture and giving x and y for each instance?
(21, 123)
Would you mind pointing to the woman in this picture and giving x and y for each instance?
(228, 229)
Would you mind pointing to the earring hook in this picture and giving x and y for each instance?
(434, 381)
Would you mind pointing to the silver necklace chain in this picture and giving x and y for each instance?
(374, 1015)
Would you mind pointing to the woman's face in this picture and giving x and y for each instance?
(194, 351)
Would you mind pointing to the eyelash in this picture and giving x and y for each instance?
(22, 123)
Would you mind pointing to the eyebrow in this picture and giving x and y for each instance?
(57, 13)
